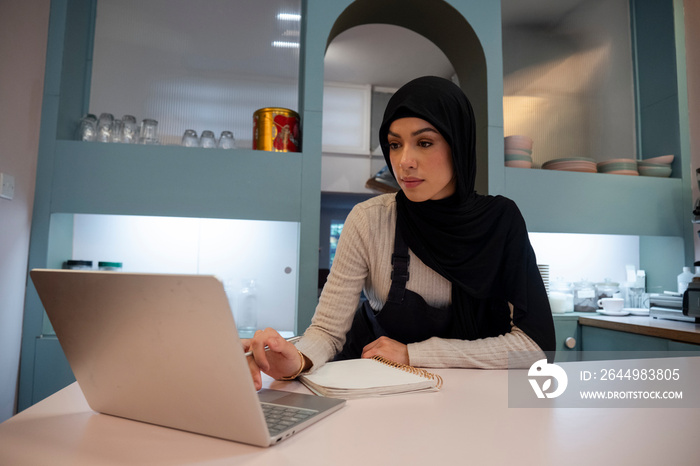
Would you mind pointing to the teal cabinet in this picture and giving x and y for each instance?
(52, 369)
(568, 335)
(601, 339)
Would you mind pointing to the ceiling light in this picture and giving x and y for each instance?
(285, 44)
(288, 17)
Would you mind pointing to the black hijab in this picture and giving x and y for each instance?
(479, 243)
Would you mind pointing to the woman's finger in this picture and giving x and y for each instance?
(255, 373)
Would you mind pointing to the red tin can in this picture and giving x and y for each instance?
(276, 129)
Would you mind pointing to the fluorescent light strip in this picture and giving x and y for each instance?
(285, 44)
(288, 17)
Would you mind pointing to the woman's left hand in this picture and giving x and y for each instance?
(388, 348)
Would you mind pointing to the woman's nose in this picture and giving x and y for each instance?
(407, 160)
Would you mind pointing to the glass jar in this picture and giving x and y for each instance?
(561, 297)
(246, 314)
(585, 297)
(77, 265)
(109, 266)
(607, 289)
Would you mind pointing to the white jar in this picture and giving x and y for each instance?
(561, 297)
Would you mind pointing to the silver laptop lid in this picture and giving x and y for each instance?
(161, 349)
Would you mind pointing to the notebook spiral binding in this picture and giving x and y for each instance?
(411, 369)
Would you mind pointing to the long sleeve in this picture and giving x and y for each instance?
(486, 353)
(363, 261)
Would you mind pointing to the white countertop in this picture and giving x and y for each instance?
(467, 422)
(664, 328)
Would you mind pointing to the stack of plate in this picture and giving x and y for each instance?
(619, 167)
(657, 166)
(544, 271)
(571, 164)
(518, 151)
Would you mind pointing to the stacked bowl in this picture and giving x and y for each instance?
(657, 166)
(619, 167)
(518, 151)
(571, 164)
(544, 272)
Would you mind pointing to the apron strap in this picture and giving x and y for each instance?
(399, 274)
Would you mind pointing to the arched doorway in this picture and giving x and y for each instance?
(447, 28)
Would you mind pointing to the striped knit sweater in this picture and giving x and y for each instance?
(363, 261)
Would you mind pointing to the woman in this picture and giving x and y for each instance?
(461, 289)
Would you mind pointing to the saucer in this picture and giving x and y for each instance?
(624, 312)
(637, 311)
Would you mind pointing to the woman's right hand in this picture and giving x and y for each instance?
(281, 360)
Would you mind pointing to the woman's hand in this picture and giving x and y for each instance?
(388, 348)
(281, 360)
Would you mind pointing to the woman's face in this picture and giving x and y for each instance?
(421, 160)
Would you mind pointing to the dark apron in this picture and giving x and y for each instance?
(405, 317)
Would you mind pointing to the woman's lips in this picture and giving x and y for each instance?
(410, 182)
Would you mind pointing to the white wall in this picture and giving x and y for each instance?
(594, 258)
(23, 33)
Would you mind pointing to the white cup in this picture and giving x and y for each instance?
(611, 304)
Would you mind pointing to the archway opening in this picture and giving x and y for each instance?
(445, 27)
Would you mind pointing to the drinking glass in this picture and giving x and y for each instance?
(104, 127)
(130, 130)
(117, 130)
(189, 138)
(636, 297)
(87, 130)
(227, 141)
(149, 131)
(208, 140)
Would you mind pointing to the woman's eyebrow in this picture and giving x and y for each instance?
(415, 133)
(424, 130)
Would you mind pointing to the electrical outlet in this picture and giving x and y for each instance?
(7, 186)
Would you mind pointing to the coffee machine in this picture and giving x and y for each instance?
(691, 301)
(696, 210)
(691, 297)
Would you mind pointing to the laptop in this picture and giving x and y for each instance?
(164, 349)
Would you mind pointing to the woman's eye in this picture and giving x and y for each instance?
(425, 143)
(393, 145)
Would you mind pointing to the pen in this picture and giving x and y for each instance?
(267, 348)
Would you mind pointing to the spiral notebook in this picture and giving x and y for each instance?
(359, 378)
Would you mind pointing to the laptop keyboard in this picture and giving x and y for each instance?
(279, 418)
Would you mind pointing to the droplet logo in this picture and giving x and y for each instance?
(543, 370)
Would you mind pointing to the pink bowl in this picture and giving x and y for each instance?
(608, 162)
(518, 163)
(664, 159)
(518, 142)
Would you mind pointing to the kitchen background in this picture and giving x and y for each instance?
(150, 64)
(567, 85)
